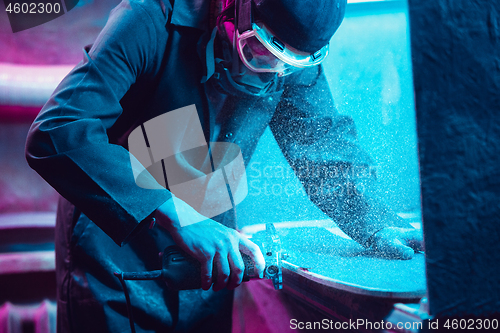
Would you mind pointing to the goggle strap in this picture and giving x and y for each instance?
(245, 18)
(209, 57)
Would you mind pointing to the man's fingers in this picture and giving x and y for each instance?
(221, 264)
(206, 273)
(394, 249)
(414, 239)
(237, 269)
(250, 248)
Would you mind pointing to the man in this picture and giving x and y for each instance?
(156, 56)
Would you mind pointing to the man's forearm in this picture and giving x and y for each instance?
(349, 197)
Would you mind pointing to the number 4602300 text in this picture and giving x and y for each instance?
(33, 8)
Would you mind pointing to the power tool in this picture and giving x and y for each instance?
(182, 272)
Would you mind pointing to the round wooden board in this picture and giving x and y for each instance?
(329, 258)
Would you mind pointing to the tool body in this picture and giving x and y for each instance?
(182, 272)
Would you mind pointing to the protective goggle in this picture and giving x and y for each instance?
(261, 51)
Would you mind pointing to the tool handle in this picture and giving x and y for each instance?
(182, 272)
(151, 275)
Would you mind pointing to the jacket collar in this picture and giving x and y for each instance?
(191, 13)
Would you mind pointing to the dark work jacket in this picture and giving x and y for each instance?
(146, 62)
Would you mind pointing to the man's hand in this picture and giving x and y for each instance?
(398, 243)
(215, 246)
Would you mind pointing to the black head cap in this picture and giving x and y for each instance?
(306, 25)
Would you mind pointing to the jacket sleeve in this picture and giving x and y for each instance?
(68, 144)
(321, 146)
